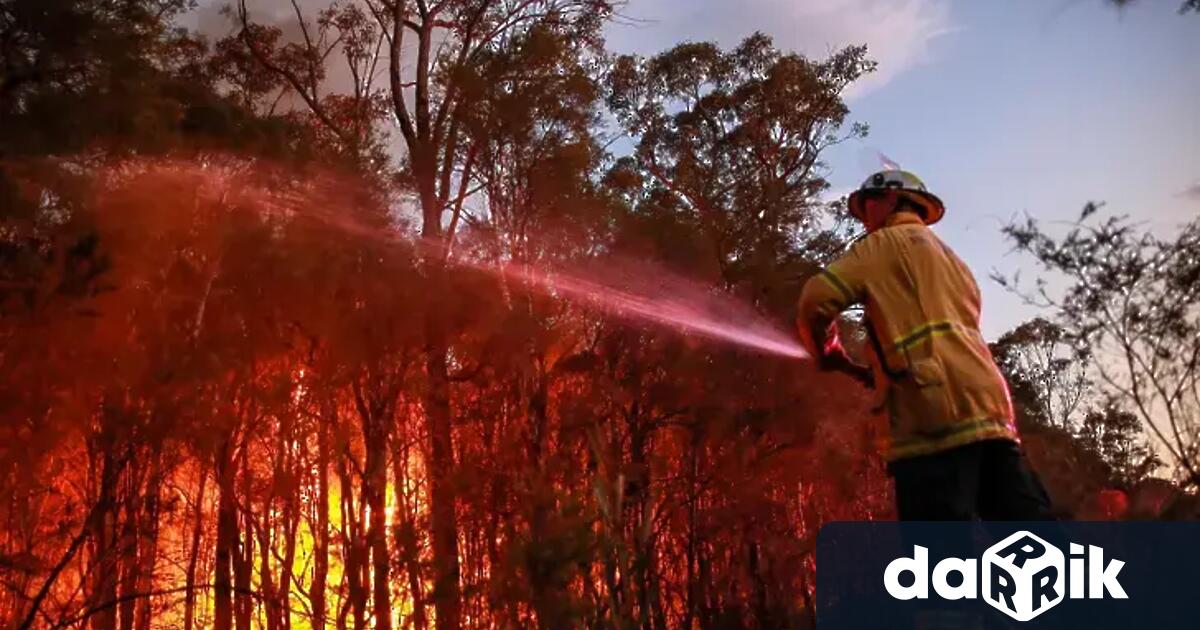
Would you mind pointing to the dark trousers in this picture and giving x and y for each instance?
(988, 480)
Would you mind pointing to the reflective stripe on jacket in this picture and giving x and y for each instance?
(937, 378)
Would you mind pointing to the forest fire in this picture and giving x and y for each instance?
(289, 495)
(441, 315)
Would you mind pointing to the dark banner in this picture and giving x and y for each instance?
(1008, 575)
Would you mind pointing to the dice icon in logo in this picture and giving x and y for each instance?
(1023, 576)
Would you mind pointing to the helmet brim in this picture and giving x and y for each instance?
(934, 208)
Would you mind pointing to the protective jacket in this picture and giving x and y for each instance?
(933, 371)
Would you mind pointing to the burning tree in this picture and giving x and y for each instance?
(272, 373)
(450, 37)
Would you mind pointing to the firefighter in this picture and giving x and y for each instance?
(953, 450)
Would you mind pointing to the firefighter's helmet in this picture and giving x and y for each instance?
(908, 185)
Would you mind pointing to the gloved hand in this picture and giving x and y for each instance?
(840, 362)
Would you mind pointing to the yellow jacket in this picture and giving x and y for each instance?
(937, 378)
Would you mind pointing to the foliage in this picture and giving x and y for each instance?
(1132, 305)
(730, 143)
(1117, 436)
(1048, 382)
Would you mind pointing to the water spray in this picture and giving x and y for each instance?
(636, 291)
(642, 292)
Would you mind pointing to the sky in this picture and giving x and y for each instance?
(1002, 108)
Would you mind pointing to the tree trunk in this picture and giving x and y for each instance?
(406, 530)
(348, 537)
(376, 404)
(321, 536)
(762, 611)
(693, 585)
(243, 560)
(442, 499)
(363, 548)
(442, 496)
(127, 547)
(289, 483)
(353, 547)
(104, 584)
(148, 545)
(189, 599)
(291, 525)
(227, 535)
(270, 602)
(637, 499)
(376, 491)
(548, 600)
(272, 596)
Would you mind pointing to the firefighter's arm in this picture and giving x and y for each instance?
(824, 297)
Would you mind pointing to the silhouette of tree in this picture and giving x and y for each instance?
(1047, 380)
(1118, 437)
(1132, 306)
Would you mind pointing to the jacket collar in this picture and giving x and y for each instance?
(903, 218)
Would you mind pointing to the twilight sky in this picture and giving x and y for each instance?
(1003, 108)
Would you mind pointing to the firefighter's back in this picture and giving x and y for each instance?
(925, 304)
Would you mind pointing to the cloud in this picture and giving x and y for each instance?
(209, 19)
(898, 33)
(1191, 192)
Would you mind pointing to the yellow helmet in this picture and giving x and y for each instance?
(908, 185)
